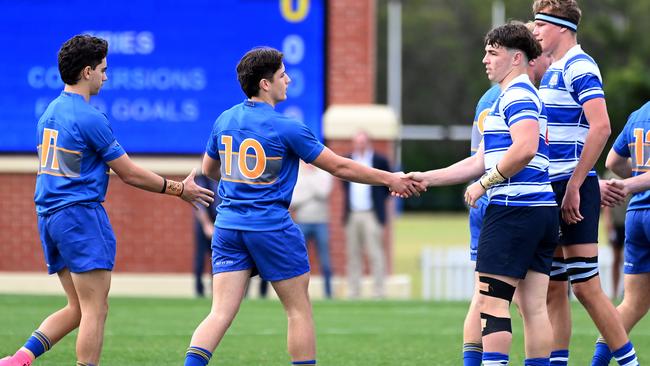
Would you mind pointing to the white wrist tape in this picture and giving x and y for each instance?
(492, 177)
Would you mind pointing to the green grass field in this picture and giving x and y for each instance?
(157, 331)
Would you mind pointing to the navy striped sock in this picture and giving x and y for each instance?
(197, 356)
(626, 356)
(560, 357)
(472, 354)
(308, 362)
(543, 361)
(602, 354)
(38, 343)
(495, 359)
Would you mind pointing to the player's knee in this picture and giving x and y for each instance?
(495, 288)
(586, 291)
(493, 324)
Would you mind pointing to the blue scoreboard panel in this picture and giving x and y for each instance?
(171, 64)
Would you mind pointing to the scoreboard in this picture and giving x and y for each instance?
(171, 64)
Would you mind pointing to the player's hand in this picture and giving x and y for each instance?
(404, 186)
(571, 206)
(416, 179)
(473, 193)
(194, 193)
(612, 192)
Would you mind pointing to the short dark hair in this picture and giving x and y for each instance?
(514, 35)
(257, 64)
(77, 53)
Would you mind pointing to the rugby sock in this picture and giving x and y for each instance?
(626, 356)
(472, 354)
(308, 362)
(544, 361)
(38, 343)
(602, 354)
(560, 357)
(197, 356)
(495, 359)
(79, 363)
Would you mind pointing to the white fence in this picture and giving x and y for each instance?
(448, 273)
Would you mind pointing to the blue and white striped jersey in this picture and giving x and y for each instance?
(530, 186)
(567, 84)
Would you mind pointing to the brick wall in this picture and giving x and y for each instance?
(154, 232)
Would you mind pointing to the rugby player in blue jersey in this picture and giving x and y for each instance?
(76, 150)
(254, 151)
(629, 158)
(578, 128)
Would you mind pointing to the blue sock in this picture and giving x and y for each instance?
(472, 354)
(197, 356)
(560, 357)
(544, 361)
(495, 359)
(308, 362)
(38, 343)
(602, 354)
(626, 356)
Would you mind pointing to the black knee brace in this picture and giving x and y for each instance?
(496, 288)
(492, 324)
(582, 269)
(559, 270)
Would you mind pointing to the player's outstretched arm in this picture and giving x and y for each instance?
(460, 172)
(352, 171)
(134, 175)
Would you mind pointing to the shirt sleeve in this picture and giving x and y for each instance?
(212, 147)
(622, 144)
(583, 75)
(299, 139)
(98, 135)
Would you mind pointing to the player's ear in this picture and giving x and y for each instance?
(85, 72)
(264, 84)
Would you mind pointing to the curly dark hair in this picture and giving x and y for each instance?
(77, 53)
(257, 64)
(514, 35)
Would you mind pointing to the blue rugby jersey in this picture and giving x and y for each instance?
(75, 143)
(634, 143)
(530, 186)
(567, 84)
(259, 150)
(482, 109)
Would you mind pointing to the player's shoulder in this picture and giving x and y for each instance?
(520, 88)
(641, 115)
(578, 61)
